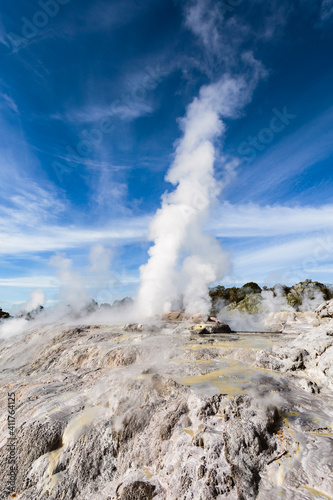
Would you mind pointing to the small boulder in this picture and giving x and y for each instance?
(172, 316)
(138, 490)
(197, 318)
(211, 328)
(4, 314)
(325, 310)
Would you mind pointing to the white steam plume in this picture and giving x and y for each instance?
(73, 290)
(37, 298)
(99, 270)
(184, 260)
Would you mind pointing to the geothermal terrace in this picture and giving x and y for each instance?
(169, 410)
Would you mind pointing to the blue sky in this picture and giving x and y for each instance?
(91, 94)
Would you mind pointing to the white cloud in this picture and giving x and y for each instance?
(30, 282)
(16, 240)
(284, 254)
(205, 19)
(253, 220)
(29, 223)
(126, 110)
(285, 262)
(30, 207)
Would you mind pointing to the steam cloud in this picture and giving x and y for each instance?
(37, 298)
(184, 260)
(72, 287)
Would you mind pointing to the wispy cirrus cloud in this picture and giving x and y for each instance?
(30, 207)
(326, 10)
(228, 221)
(96, 113)
(30, 224)
(36, 281)
(6, 100)
(286, 262)
(205, 19)
(219, 36)
(296, 153)
(251, 220)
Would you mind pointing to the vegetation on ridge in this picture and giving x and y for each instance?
(248, 298)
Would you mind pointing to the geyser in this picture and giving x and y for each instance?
(184, 260)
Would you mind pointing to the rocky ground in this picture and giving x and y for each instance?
(169, 411)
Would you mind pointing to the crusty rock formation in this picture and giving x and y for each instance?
(144, 413)
(290, 321)
(325, 310)
(311, 352)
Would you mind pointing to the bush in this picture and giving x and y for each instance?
(252, 287)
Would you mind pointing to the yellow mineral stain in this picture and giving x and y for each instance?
(316, 493)
(232, 380)
(73, 431)
(148, 473)
(293, 413)
(286, 416)
(54, 459)
(256, 342)
(125, 336)
(53, 479)
(77, 425)
(325, 434)
(190, 432)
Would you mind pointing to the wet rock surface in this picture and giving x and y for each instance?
(161, 412)
(211, 328)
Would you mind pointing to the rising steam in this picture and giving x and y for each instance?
(37, 299)
(184, 260)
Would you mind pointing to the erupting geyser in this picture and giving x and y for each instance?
(184, 259)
